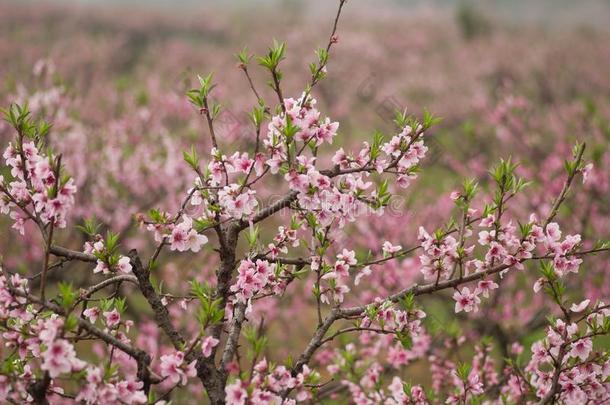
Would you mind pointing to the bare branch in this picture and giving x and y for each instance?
(161, 313)
(72, 254)
(239, 315)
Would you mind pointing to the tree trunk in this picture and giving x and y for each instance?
(213, 379)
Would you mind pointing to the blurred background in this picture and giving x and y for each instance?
(522, 74)
(521, 78)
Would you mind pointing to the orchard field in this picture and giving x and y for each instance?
(328, 202)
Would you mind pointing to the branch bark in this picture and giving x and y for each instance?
(72, 254)
(161, 313)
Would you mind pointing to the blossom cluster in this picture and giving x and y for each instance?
(335, 279)
(301, 121)
(36, 191)
(254, 277)
(176, 369)
(369, 389)
(98, 391)
(387, 316)
(439, 257)
(563, 262)
(268, 383)
(106, 261)
(567, 353)
(504, 249)
(403, 153)
(43, 339)
(180, 237)
(285, 238)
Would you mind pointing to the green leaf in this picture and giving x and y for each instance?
(157, 216)
(89, 227)
(71, 322)
(252, 235)
(202, 224)
(470, 189)
(274, 56)
(401, 119)
(430, 120)
(244, 57)
(463, 370)
(408, 301)
(192, 159)
(112, 241)
(405, 339)
(257, 115)
(67, 295)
